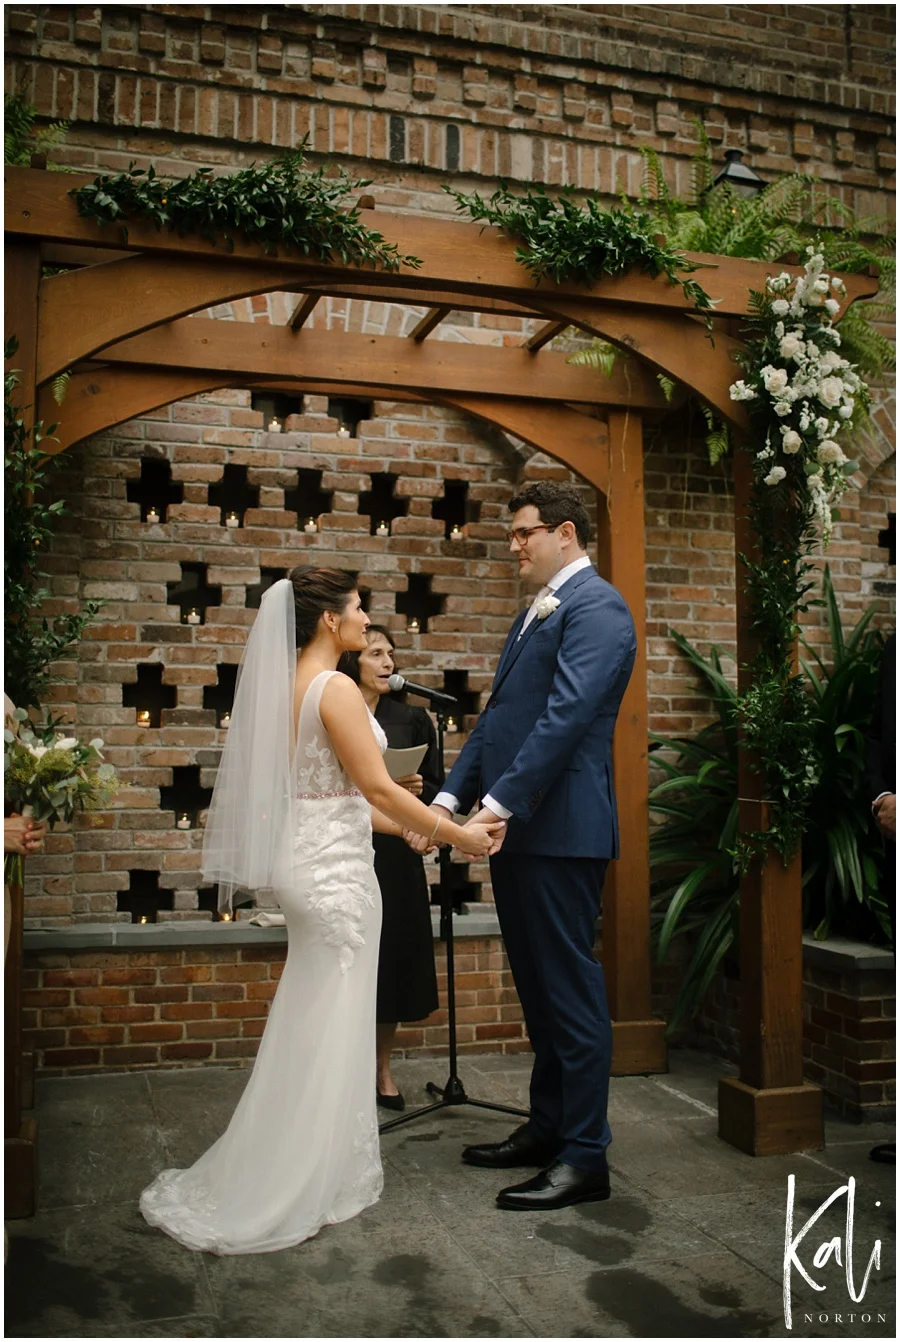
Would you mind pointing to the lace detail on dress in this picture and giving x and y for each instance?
(370, 1182)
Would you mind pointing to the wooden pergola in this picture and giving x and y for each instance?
(120, 321)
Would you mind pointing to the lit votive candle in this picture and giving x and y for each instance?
(225, 720)
(456, 533)
(143, 917)
(383, 529)
(311, 526)
(143, 717)
(451, 725)
(232, 520)
(413, 626)
(343, 431)
(152, 517)
(226, 918)
(183, 821)
(275, 425)
(192, 616)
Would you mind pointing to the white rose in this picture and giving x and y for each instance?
(838, 285)
(831, 391)
(790, 347)
(791, 442)
(65, 742)
(821, 284)
(832, 307)
(782, 408)
(774, 379)
(546, 606)
(822, 424)
(830, 360)
(775, 476)
(779, 330)
(780, 307)
(38, 751)
(830, 454)
(846, 410)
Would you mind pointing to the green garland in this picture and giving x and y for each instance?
(280, 204)
(564, 240)
(802, 397)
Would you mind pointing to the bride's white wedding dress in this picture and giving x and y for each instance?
(301, 1150)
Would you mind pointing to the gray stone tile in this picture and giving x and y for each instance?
(710, 1296)
(71, 1273)
(89, 1101)
(193, 1109)
(102, 1163)
(393, 1271)
(192, 1325)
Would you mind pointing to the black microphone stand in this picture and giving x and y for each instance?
(453, 1093)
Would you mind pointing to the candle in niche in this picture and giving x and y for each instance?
(225, 720)
(152, 517)
(456, 532)
(413, 626)
(183, 821)
(311, 526)
(232, 520)
(451, 725)
(342, 431)
(383, 529)
(192, 616)
(275, 425)
(144, 918)
(226, 918)
(143, 717)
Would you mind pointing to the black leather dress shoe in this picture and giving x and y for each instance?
(518, 1151)
(390, 1101)
(559, 1185)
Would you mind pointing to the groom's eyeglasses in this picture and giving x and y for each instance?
(524, 534)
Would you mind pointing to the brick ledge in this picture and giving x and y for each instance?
(839, 953)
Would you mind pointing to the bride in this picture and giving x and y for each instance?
(300, 786)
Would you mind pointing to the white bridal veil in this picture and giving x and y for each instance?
(247, 844)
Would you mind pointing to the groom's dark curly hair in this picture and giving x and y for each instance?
(555, 504)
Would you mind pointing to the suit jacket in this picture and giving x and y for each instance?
(542, 746)
(881, 738)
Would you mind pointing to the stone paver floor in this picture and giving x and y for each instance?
(690, 1245)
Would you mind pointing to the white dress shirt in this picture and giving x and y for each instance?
(446, 798)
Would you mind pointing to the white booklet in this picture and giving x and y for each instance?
(402, 763)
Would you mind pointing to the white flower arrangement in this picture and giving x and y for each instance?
(546, 606)
(800, 392)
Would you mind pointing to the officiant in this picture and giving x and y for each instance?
(407, 982)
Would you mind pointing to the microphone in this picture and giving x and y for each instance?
(397, 682)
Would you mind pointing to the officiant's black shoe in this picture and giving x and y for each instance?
(390, 1101)
(518, 1151)
(559, 1185)
(884, 1154)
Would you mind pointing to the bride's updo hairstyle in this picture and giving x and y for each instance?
(315, 591)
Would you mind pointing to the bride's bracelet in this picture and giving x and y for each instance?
(437, 826)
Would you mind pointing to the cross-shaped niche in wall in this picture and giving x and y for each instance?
(349, 412)
(454, 509)
(232, 495)
(365, 593)
(887, 539)
(462, 890)
(185, 797)
(143, 899)
(193, 594)
(418, 603)
(309, 500)
(380, 503)
(457, 684)
(275, 408)
(255, 594)
(148, 695)
(155, 490)
(221, 695)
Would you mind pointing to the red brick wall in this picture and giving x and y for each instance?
(120, 1010)
(555, 94)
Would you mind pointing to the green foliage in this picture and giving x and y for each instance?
(599, 355)
(22, 137)
(280, 204)
(564, 240)
(31, 642)
(693, 850)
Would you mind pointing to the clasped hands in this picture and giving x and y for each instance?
(419, 844)
(23, 835)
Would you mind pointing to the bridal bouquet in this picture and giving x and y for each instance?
(51, 777)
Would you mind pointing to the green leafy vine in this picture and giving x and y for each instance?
(279, 204)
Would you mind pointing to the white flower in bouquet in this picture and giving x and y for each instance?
(831, 360)
(782, 408)
(739, 391)
(832, 307)
(846, 410)
(830, 454)
(775, 476)
(831, 391)
(791, 441)
(792, 347)
(774, 379)
(780, 307)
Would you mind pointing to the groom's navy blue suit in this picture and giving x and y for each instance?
(542, 749)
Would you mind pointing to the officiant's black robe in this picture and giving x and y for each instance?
(407, 983)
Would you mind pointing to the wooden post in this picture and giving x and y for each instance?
(23, 272)
(638, 1040)
(769, 1110)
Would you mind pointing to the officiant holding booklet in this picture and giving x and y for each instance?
(407, 982)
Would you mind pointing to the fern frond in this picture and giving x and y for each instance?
(600, 355)
(668, 386)
(59, 386)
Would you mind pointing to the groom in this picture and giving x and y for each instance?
(539, 758)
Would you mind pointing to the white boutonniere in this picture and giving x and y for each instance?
(546, 606)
